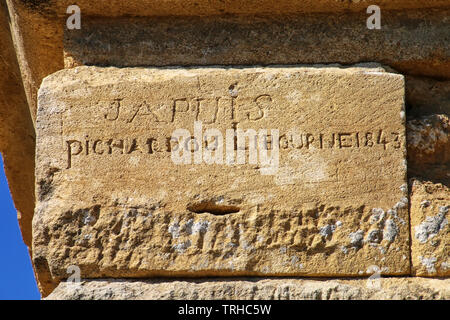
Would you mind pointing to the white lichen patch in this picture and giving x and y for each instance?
(403, 203)
(327, 230)
(182, 247)
(390, 230)
(174, 229)
(356, 238)
(377, 215)
(431, 226)
(386, 222)
(200, 227)
(428, 263)
(374, 236)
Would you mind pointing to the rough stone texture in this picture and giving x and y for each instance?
(37, 40)
(416, 42)
(429, 140)
(214, 7)
(255, 289)
(17, 136)
(425, 96)
(428, 144)
(430, 231)
(334, 207)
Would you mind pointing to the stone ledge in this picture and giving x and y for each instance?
(254, 288)
(250, 40)
(213, 7)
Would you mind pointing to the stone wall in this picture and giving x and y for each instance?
(348, 178)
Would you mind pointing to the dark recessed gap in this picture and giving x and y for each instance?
(212, 208)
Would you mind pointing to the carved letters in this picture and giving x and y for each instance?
(287, 141)
(209, 110)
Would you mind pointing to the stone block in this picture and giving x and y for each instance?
(430, 231)
(146, 171)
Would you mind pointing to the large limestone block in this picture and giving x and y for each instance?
(255, 289)
(114, 200)
(430, 230)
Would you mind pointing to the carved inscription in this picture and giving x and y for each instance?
(232, 111)
(382, 139)
(190, 163)
(341, 140)
(209, 110)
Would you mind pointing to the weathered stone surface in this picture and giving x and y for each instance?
(428, 142)
(37, 40)
(255, 289)
(17, 136)
(416, 42)
(430, 231)
(425, 96)
(112, 201)
(214, 7)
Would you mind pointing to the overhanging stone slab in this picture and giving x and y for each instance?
(408, 41)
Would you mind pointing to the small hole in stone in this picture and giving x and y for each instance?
(212, 208)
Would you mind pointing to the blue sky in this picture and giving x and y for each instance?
(16, 274)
